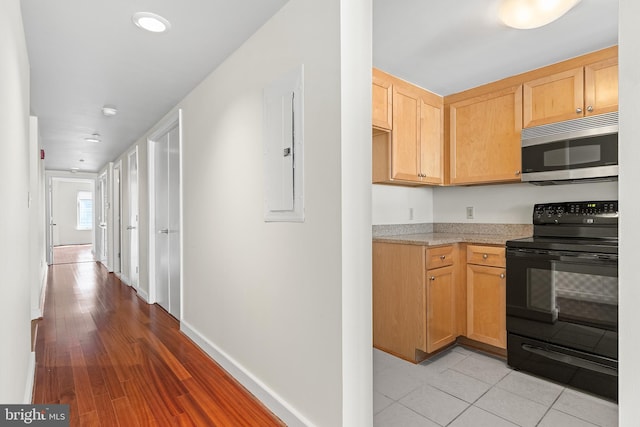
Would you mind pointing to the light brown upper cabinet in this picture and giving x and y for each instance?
(569, 94)
(412, 153)
(484, 137)
(381, 93)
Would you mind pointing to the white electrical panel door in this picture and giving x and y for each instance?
(283, 148)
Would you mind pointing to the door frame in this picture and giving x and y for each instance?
(172, 120)
(117, 217)
(133, 278)
(50, 177)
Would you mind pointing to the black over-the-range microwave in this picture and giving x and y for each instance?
(584, 149)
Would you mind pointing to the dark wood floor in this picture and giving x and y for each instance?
(118, 361)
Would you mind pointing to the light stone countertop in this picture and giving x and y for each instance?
(435, 239)
(445, 234)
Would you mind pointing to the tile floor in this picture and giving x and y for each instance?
(461, 387)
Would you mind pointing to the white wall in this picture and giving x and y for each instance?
(37, 221)
(629, 292)
(272, 301)
(494, 204)
(65, 207)
(510, 203)
(15, 353)
(397, 205)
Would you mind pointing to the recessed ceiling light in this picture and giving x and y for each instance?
(109, 110)
(151, 22)
(527, 14)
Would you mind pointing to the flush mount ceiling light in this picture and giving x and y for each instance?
(109, 110)
(527, 14)
(93, 138)
(151, 22)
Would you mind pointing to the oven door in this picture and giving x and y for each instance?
(577, 287)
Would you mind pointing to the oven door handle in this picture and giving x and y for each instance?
(571, 360)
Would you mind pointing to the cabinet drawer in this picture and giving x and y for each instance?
(492, 256)
(439, 257)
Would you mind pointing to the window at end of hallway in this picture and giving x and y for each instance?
(84, 216)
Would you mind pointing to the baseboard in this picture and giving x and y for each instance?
(268, 397)
(31, 376)
(37, 313)
(144, 295)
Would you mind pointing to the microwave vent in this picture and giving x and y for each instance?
(583, 127)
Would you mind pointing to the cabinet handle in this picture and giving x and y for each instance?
(442, 257)
(590, 108)
(578, 110)
(432, 278)
(485, 256)
(502, 275)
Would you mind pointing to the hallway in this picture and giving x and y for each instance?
(119, 361)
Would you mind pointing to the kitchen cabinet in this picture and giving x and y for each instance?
(484, 137)
(486, 295)
(413, 299)
(412, 152)
(569, 94)
(381, 96)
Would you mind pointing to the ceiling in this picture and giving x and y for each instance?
(87, 54)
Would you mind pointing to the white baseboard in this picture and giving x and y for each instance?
(268, 397)
(37, 313)
(31, 376)
(144, 295)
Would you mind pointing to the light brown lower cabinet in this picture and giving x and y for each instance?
(486, 295)
(413, 305)
(422, 301)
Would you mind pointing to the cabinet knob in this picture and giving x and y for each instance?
(502, 275)
(578, 110)
(590, 108)
(485, 256)
(517, 173)
(442, 257)
(432, 278)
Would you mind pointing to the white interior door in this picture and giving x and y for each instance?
(167, 220)
(132, 227)
(117, 225)
(161, 165)
(102, 218)
(51, 222)
(174, 222)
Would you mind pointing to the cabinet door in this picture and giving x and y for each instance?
(381, 97)
(485, 137)
(406, 134)
(399, 314)
(601, 87)
(554, 98)
(441, 319)
(486, 305)
(431, 141)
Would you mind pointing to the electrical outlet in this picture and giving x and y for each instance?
(410, 213)
(469, 212)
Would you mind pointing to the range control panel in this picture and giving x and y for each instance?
(584, 213)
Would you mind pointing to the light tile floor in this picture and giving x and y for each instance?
(465, 388)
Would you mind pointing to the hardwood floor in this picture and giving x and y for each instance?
(118, 361)
(72, 253)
